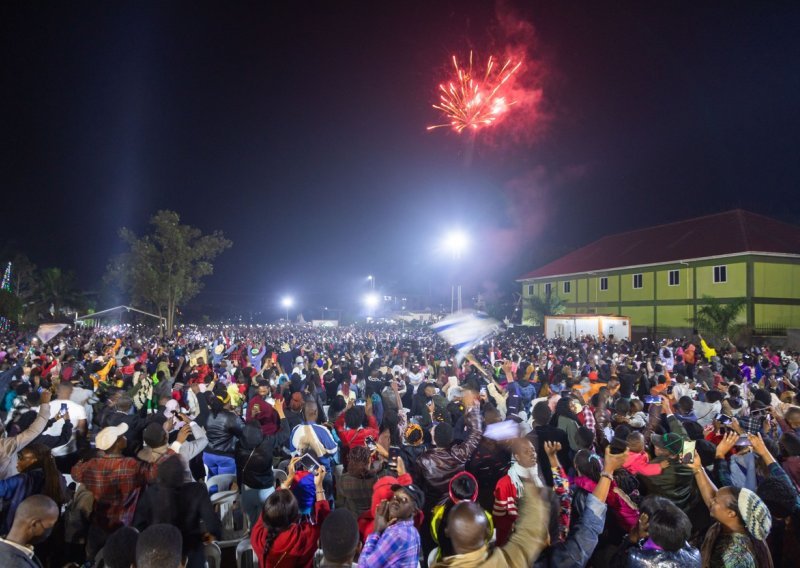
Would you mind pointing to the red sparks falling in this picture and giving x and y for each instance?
(473, 102)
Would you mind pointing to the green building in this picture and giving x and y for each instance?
(658, 276)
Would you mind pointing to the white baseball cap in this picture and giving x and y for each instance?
(108, 436)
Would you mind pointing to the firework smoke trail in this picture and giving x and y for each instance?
(474, 103)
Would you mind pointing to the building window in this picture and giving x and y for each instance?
(547, 288)
(674, 277)
(637, 281)
(530, 289)
(567, 287)
(720, 274)
(604, 283)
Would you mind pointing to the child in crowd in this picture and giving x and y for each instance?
(638, 461)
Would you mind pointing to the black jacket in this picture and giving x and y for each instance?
(222, 431)
(255, 452)
(547, 433)
(188, 507)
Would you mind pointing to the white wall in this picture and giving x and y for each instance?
(577, 326)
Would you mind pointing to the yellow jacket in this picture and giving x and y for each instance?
(708, 352)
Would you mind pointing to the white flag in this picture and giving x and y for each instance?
(48, 331)
(506, 430)
(463, 330)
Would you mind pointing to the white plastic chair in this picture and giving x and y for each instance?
(245, 555)
(213, 555)
(280, 475)
(432, 556)
(223, 483)
(229, 509)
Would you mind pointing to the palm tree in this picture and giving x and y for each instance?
(719, 318)
(59, 290)
(550, 305)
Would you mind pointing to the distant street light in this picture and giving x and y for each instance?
(287, 302)
(371, 279)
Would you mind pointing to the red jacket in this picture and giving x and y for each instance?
(351, 438)
(294, 547)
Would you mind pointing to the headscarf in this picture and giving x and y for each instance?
(304, 491)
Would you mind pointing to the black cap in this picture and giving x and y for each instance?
(415, 493)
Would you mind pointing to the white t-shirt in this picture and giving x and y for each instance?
(415, 379)
(76, 414)
(706, 411)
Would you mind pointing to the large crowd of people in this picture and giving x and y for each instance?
(377, 446)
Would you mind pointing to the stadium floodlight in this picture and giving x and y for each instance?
(456, 243)
(287, 302)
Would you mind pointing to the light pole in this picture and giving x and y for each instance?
(371, 279)
(455, 243)
(287, 303)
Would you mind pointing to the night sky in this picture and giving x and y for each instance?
(298, 128)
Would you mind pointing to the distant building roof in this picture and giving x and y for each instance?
(731, 232)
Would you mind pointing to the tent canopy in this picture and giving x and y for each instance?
(116, 310)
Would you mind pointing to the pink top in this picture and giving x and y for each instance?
(639, 463)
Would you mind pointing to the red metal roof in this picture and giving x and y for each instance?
(731, 232)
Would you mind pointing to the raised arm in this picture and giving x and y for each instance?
(707, 488)
(464, 450)
(37, 427)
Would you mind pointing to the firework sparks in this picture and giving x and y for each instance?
(475, 102)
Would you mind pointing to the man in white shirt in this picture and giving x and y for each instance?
(84, 397)
(707, 411)
(682, 388)
(415, 377)
(299, 367)
(65, 455)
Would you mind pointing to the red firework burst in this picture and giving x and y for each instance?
(476, 102)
